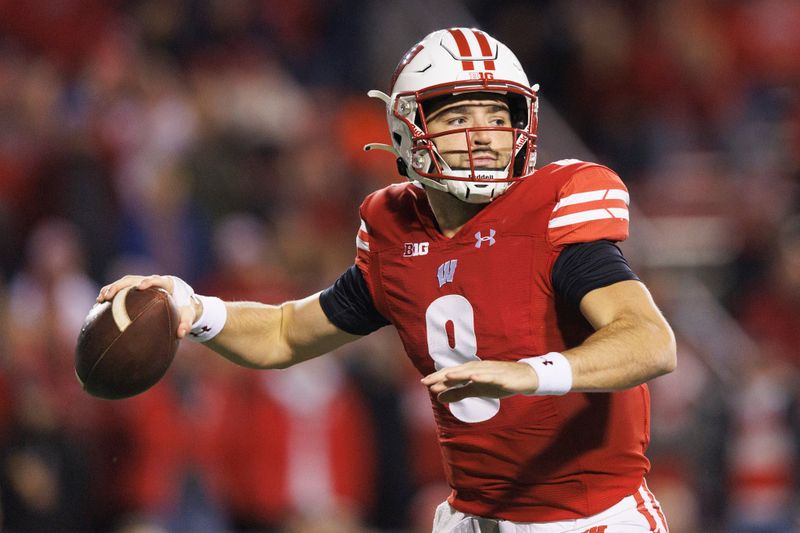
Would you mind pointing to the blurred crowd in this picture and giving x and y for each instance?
(220, 140)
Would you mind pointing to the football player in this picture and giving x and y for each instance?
(532, 334)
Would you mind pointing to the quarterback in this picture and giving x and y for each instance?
(531, 333)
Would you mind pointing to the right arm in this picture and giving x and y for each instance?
(256, 335)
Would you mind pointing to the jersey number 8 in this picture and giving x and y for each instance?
(450, 325)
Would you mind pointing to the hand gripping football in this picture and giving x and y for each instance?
(126, 345)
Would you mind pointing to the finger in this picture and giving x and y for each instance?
(439, 377)
(442, 386)
(456, 394)
(161, 282)
(451, 382)
(451, 379)
(101, 296)
(435, 377)
(473, 390)
(107, 293)
(185, 323)
(442, 374)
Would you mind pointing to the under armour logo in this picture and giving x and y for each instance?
(446, 271)
(204, 329)
(547, 362)
(480, 239)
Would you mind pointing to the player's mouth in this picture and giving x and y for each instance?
(484, 159)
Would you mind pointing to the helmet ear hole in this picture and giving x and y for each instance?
(402, 168)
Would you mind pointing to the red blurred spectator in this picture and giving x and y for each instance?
(64, 31)
(296, 442)
(769, 311)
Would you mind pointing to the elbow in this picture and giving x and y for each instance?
(666, 351)
(275, 360)
(283, 355)
(258, 360)
(276, 364)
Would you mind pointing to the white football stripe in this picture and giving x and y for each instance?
(619, 194)
(619, 212)
(362, 244)
(119, 311)
(593, 196)
(363, 226)
(585, 216)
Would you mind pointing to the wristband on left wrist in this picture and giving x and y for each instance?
(554, 372)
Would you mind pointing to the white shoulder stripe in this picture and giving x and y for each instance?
(619, 212)
(593, 196)
(618, 194)
(363, 226)
(362, 244)
(586, 216)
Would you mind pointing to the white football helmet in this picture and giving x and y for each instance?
(452, 62)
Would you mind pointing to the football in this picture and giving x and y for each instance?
(126, 345)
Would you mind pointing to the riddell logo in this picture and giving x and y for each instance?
(413, 249)
(596, 529)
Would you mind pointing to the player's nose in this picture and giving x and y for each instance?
(481, 137)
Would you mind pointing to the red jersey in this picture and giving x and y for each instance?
(486, 293)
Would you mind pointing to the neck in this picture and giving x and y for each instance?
(450, 212)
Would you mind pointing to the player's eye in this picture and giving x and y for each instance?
(456, 121)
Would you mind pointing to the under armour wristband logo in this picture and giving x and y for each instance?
(204, 329)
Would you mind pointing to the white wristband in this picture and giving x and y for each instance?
(554, 371)
(210, 323)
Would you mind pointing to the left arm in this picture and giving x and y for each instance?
(632, 344)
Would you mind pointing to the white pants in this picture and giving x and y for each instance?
(637, 513)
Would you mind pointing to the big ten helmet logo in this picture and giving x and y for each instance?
(480, 75)
(413, 249)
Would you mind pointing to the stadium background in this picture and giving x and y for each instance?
(220, 140)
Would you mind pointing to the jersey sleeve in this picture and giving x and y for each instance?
(592, 205)
(348, 304)
(584, 267)
(362, 249)
(364, 241)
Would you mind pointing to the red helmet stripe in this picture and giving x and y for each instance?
(486, 50)
(463, 48)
